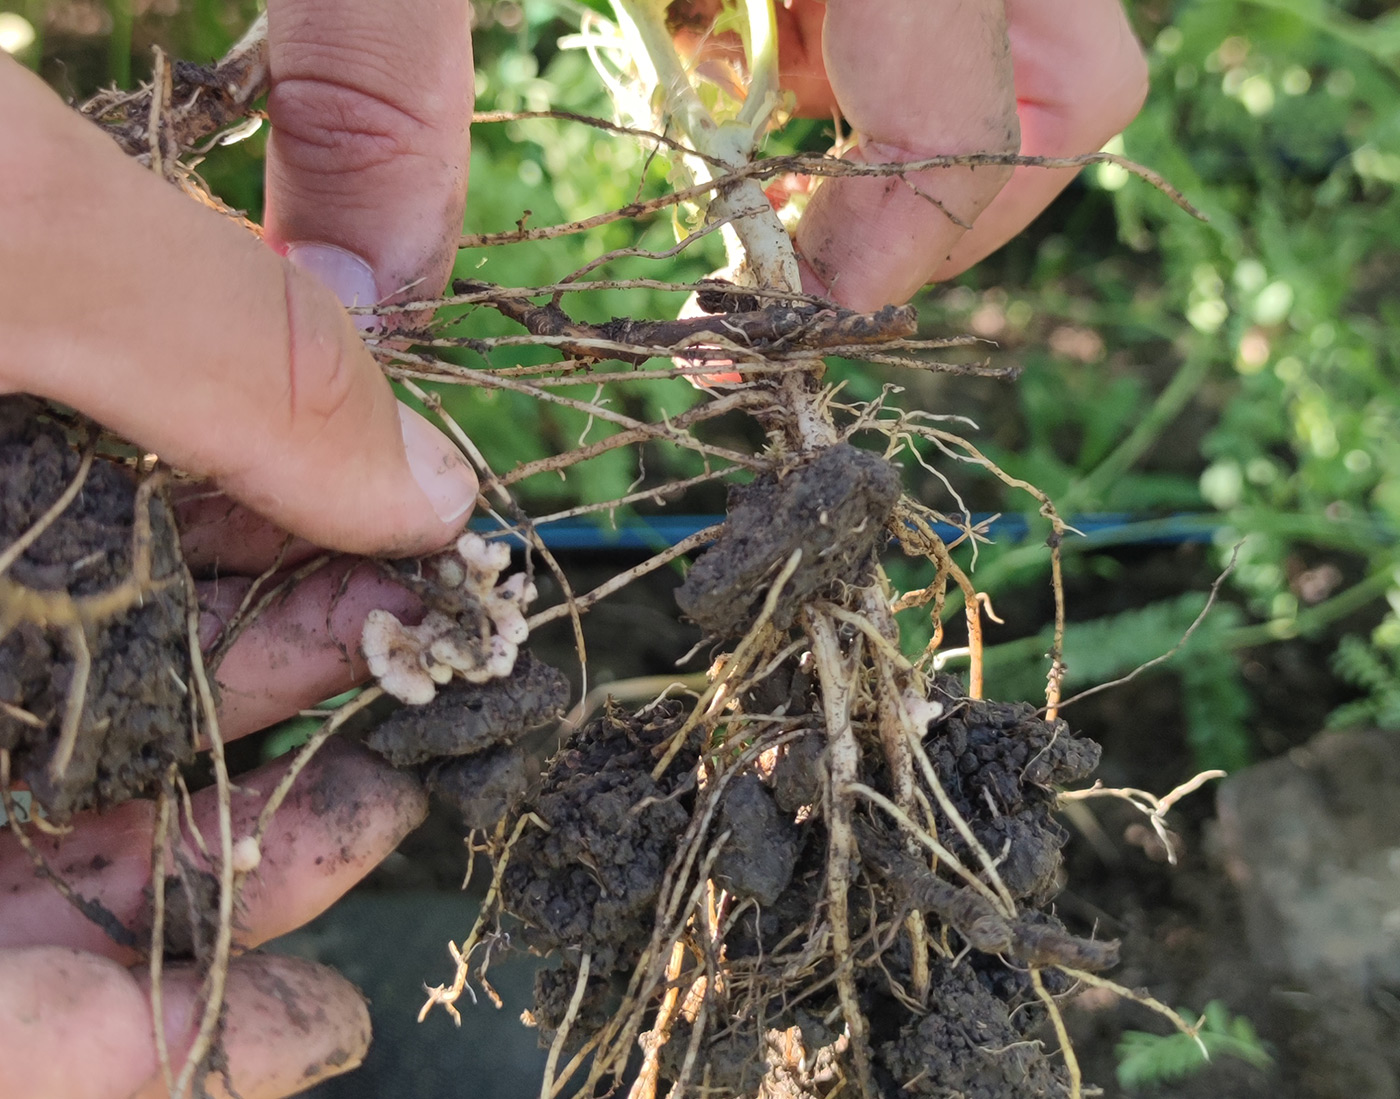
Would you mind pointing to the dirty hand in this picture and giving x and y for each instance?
(170, 325)
(915, 79)
(75, 1008)
(174, 327)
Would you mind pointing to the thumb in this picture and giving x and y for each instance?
(172, 326)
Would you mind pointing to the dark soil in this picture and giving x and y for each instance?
(466, 718)
(135, 717)
(833, 508)
(758, 859)
(591, 884)
(465, 742)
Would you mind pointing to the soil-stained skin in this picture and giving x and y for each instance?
(833, 508)
(135, 718)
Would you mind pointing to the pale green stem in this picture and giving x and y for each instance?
(764, 246)
(762, 44)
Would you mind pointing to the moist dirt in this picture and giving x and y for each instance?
(587, 872)
(134, 719)
(832, 508)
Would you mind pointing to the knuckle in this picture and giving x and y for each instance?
(324, 372)
(334, 128)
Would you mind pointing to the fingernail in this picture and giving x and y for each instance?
(350, 277)
(438, 467)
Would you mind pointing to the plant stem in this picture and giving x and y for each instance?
(767, 255)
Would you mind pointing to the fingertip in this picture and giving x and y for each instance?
(288, 1024)
(448, 482)
(346, 812)
(57, 1000)
(303, 647)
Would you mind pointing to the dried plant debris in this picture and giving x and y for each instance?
(832, 507)
(74, 606)
(473, 631)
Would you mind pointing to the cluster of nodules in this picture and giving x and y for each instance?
(592, 882)
(412, 662)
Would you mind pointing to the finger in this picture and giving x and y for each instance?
(368, 152)
(288, 1024)
(720, 56)
(347, 810)
(302, 648)
(1081, 77)
(221, 537)
(55, 1001)
(195, 341)
(914, 80)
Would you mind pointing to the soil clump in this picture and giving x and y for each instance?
(756, 1014)
(465, 742)
(57, 624)
(833, 508)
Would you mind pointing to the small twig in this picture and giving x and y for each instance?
(193, 102)
(1055, 677)
(160, 853)
(561, 1036)
(216, 975)
(1141, 998)
(837, 671)
(649, 136)
(622, 579)
(442, 994)
(827, 166)
(1153, 807)
(798, 327)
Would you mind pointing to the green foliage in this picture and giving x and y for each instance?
(1245, 369)
(1375, 669)
(1145, 1060)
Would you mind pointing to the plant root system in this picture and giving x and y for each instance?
(711, 895)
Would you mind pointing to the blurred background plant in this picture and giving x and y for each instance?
(1187, 386)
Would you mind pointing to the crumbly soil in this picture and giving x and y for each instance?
(833, 508)
(135, 710)
(591, 882)
(465, 743)
(466, 718)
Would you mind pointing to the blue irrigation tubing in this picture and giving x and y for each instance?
(657, 532)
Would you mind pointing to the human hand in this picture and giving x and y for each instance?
(175, 328)
(65, 986)
(914, 80)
